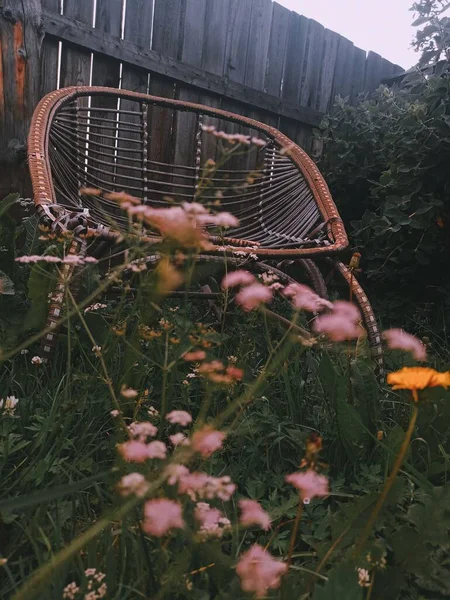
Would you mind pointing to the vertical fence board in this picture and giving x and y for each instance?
(20, 47)
(373, 71)
(258, 47)
(277, 49)
(344, 68)
(295, 56)
(237, 39)
(138, 29)
(49, 55)
(325, 86)
(76, 62)
(106, 72)
(313, 62)
(358, 75)
(168, 40)
(214, 51)
(191, 53)
(293, 70)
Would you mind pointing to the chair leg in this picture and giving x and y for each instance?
(315, 277)
(369, 320)
(50, 340)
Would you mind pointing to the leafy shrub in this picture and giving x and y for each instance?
(386, 161)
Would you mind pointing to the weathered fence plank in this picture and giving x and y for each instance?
(138, 29)
(312, 65)
(49, 55)
(344, 68)
(76, 60)
(358, 75)
(106, 72)
(20, 47)
(329, 57)
(258, 47)
(295, 56)
(192, 54)
(277, 49)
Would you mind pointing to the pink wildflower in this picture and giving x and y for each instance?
(259, 571)
(309, 484)
(142, 431)
(200, 485)
(162, 515)
(235, 278)
(133, 484)
(211, 520)
(133, 451)
(399, 339)
(194, 356)
(127, 392)
(303, 298)
(342, 324)
(157, 449)
(207, 440)
(253, 295)
(225, 219)
(178, 438)
(180, 417)
(253, 514)
(174, 473)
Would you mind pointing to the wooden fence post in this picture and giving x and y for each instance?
(21, 35)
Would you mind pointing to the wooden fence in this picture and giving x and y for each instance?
(252, 57)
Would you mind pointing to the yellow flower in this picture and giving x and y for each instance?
(418, 378)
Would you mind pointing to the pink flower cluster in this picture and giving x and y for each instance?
(397, 339)
(303, 298)
(216, 372)
(252, 294)
(195, 356)
(198, 485)
(162, 515)
(70, 259)
(259, 571)
(142, 431)
(139, 452)
(133, 484)
(233, 138)
(310, 484)
(180, 417)
(343, 323)
(207, 440)
(212, 522)
(183, 224)
(253, 514)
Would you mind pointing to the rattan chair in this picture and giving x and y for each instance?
(152, 148)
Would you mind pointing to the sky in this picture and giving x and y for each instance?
(383, 26)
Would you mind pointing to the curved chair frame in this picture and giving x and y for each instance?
(334, 238)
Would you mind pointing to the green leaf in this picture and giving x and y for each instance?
(342, 584)
(40, 284)
(420, 21)
(351, 430)
(6, 285)
(7, 202)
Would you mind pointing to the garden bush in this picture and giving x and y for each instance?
(386, 163)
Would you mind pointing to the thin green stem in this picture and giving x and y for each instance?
(295, 531)
(390, 480)
(164, 378)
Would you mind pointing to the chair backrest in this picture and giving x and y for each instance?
(158, 150)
